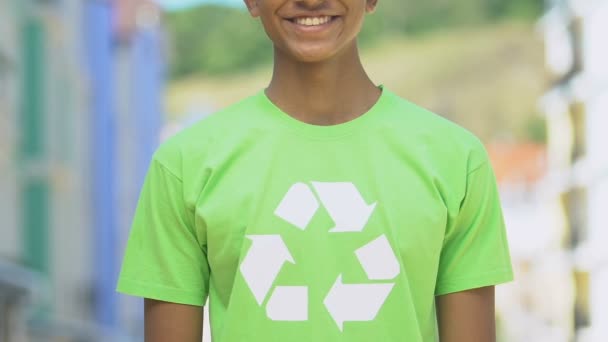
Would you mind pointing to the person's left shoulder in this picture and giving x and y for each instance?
(436, 133)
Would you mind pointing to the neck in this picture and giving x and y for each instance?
(324, 93)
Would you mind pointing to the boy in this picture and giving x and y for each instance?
(324, 208)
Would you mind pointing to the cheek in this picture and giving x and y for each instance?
(353, 26)
(271, 26)
(268, 21)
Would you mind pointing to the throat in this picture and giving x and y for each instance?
(323, 107)
(326, 93)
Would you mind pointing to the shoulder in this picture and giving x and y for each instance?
(194, 143)
(437, 136)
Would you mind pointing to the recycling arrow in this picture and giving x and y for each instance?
(355, 302)
(298, 206)
(378, 259)
(263, 262)
(345, 205)
(288, 303)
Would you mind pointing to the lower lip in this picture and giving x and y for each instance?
(313, 28)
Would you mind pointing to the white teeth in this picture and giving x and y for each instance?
(312, 21)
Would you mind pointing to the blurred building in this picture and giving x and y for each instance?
(576, 109)
(80, 112)
(537, 306)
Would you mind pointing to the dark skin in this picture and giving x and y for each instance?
(318, 78)
(467, 316)
(165, 322)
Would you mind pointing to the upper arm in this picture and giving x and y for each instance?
(166, 254)
(467, 316)
(475, 250)
(166, 322)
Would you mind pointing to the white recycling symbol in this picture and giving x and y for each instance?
(344, 302)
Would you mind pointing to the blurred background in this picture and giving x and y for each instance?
(89, 88)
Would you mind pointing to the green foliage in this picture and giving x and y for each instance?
(215, 39)
(522, 9)
(221, 40)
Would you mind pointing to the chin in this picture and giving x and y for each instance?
(312, 55)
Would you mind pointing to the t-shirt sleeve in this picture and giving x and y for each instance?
(475, 251)
(164, 258)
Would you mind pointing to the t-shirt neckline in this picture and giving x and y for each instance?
(326, 131)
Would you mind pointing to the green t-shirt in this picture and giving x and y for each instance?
(299, 232)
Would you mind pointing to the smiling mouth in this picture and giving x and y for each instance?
(313, 21)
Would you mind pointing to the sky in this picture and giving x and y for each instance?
(181, 4)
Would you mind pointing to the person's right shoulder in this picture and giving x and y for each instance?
(193, 143)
